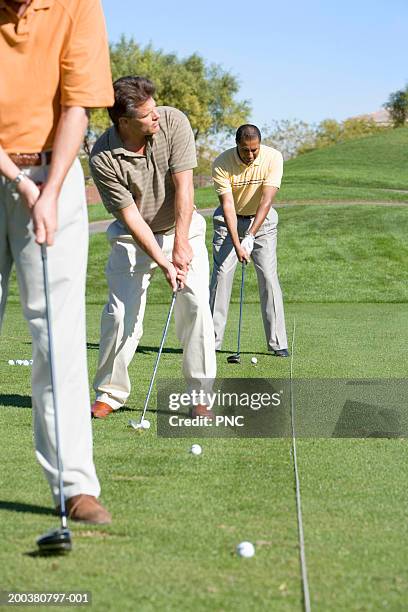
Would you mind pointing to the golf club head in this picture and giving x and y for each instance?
(134, 424)
(55, 542)
(236, 358)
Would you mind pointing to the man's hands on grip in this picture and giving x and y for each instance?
(182, 256)
(42, 206)
(245, 248)
(175, 278)
(248, 243)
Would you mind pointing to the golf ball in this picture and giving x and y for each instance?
(11, 362)
(26, 362)
(196, 449)
(246, 549)
(254, 360)
(19, 361)
(145, 424)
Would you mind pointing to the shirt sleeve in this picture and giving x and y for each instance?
(114, 194)
(221, 179)
(275, 171)
(182, 144)
(86, 78)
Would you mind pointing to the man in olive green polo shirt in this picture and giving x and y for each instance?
(143, 169)
(246, 179)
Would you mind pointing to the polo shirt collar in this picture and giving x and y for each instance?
(239, 161)
(35, 5)
(117, 147)
(17, 29)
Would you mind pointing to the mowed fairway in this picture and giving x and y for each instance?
(178, 518)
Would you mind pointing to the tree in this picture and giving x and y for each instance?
(289, 136)
(397, 106)
(295, 137)
(206, 93)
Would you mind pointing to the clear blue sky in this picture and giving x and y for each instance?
(306, 60)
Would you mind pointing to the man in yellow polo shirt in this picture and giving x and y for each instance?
(246, 179)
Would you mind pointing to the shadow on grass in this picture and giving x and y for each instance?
(21, 507)
(18, 401)
(233, 352)
(154, 349)
(140, 348)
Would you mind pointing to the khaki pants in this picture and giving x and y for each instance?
(264, 258)
(67, 260)
(129, 272)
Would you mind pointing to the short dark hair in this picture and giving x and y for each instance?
(130, 91)
(246, 132)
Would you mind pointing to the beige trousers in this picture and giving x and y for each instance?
(264, 258)
(67, 260)
(129, 272)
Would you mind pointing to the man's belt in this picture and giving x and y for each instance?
(245, 216)
(23, 160)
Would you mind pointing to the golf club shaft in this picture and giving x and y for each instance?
(156, 365)
(241, 299)
(53, 382)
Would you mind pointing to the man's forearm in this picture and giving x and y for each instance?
(263, 209)
(183, 205)
(68, 139)
(7, 167)
(230, 217)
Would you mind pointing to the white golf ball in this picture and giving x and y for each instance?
(31, 362)
(11, 362)
(254, 360)
(196, 449)
(246, 549)
(26, 362)
(19, 361)
(145, 424)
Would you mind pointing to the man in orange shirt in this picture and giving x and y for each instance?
(55, 65)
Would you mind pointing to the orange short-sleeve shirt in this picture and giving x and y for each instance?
(55, 55)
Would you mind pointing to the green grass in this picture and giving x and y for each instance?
(177, 518)
(361, 169)
(97, 212)
(347, 253)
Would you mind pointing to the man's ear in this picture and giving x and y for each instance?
(122, 122)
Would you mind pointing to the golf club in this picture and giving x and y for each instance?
(133, 423)
(55, 541)
(236, 357)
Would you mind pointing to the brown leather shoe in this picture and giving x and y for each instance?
(86, 509)
(100, 410)
(201, 411)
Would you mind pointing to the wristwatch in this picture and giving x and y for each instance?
(20, 176)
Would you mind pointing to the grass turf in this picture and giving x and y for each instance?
(370, 168)
(325, 254)
(177, 518)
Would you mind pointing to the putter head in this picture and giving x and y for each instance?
(134, 424)
(55, 542)
(235, 358)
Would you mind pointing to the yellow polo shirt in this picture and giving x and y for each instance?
(231, 175)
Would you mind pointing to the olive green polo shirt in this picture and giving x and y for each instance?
(124, 177)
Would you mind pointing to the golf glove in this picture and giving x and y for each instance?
(248, 243)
